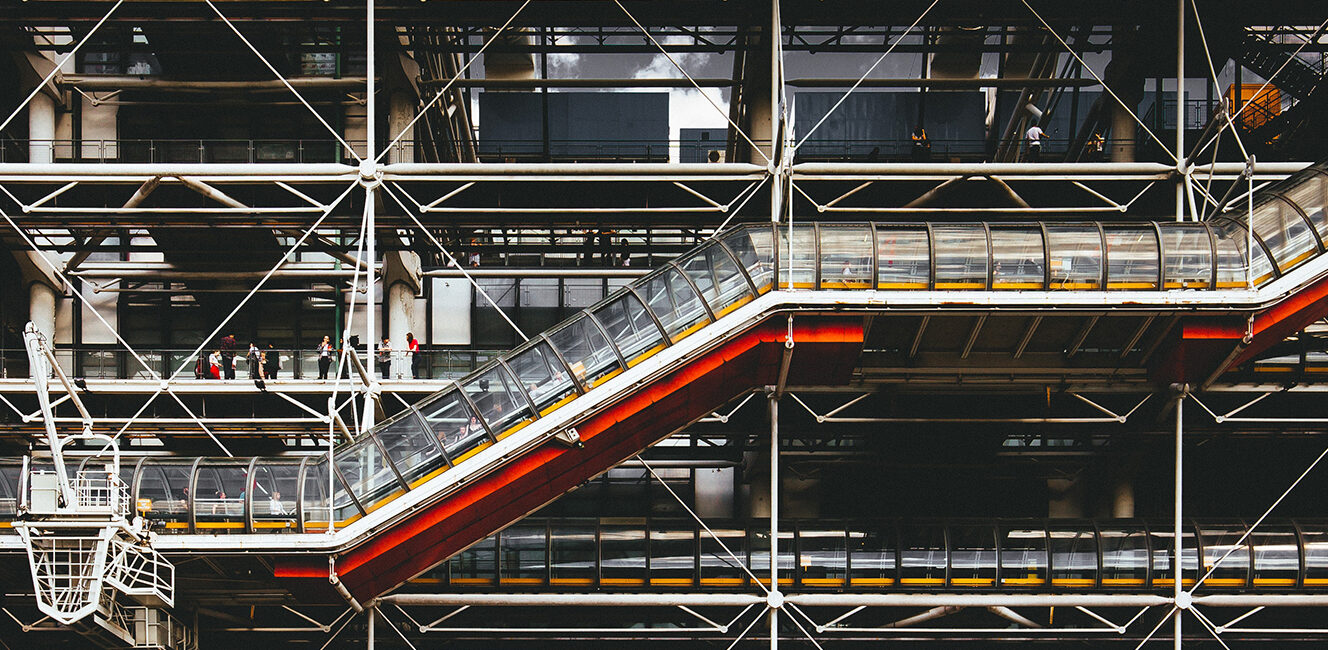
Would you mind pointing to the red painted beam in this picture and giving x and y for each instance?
(1206, 345)
(825, 352)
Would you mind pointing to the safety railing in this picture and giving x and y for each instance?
(684, 296)
(101, 492)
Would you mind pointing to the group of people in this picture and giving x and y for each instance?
(263, 363)
(326, 351)
(1034, 137)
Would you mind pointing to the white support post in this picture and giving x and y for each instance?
(1182, 167)
(775, 597)
(372, 612)
(368, 172)
(1178, 592)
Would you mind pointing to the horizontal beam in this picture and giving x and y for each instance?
(653, 82)
(117, 82)
(913, 82)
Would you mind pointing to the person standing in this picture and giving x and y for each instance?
(255, 361)
(413, 349)
(324, 357)
(1095, 147)
(1035, 136)
(921, 145)
(214, 365)
(271, 362)
(228, 356)
(385, 358)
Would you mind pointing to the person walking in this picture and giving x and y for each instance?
(324, 357)
(413, 349)
(385, 358)
(271, 362)
(228, 356)
(214, 365)
(255, 361)
(1034, 136)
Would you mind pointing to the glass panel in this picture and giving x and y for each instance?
(572, 554)
(719, 279)
(1276, 556)
(521, 555)
(903, 258)
(802, 263)
(972, 556)
(872, 556)
(1164, 545)
(718, 568)
(1073, 558)
(922, 556)
(961, 256)
(586, 351)
(1284, 232)
(630, 327)
(1076, 256)
(674, 302)
(275, 489)
(412, 449)
(846, 257)
(1312, 197)
(672, 556)
(453, 424)
(1231, 268)
(760, 551)
(1023, 556)
(1188, 256)
(1017, 257)
(315, 496)
(1220, 541)
(1124, 557)
(9, 480)
(1131, 257)
(823, 557)
(623, 555)
(498, 399)
(219, 503)
(754, 248)
(543, 376)
(366, 472)
(166, 484)
(1314, 538)
(475, 565)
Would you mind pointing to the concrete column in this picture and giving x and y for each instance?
(400, 110)
(1065, 498)
(1122, 498)
(42, 298)
(401, 276)
(41, 129)
(1123, 128)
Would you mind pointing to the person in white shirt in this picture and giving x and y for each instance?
(1034, 137)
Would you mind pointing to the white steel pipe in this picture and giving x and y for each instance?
(578, 600)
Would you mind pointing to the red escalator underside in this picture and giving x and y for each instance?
(825, 353)
(1202, 347)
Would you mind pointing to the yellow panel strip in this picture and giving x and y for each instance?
(558, 404)
(644, 355)
(920, 581)
(901, 285)
(873, 582)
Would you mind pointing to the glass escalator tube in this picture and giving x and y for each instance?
(1023, 556)
(903, 257)
(1075, 252)
(1017, 253)
(846, 256)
